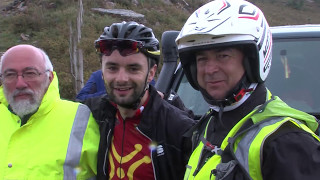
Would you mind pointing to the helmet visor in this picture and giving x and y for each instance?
(125, 47)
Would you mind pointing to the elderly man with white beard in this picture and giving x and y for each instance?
(41, 135)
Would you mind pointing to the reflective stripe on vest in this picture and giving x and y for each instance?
(252, 141)
(75, 142)
(204, 172)
(195, 159)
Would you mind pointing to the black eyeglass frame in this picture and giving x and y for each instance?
(24, 74)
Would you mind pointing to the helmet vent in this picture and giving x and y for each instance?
(114, 31)
(147, 34)
(217, 37)
(142, 29)
(129, 31)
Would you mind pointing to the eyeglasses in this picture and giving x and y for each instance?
(27, 75)
(125, 47)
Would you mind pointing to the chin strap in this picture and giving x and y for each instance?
(220, 108)
(234, 98)
(241, 94)
(135, 105)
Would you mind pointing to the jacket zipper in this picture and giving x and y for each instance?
(122, 142)
(151, 155)
(106, 153)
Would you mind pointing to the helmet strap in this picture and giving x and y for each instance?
(137, 102)
(248, 69)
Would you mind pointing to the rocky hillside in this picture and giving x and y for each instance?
(51, 24)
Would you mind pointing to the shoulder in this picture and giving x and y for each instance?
(174, 106)
(169, 109)
(290, 135)
(284, 151)
(169, 116)
(66, 109)
(97, 73)
(93, 102)
(67, 104)
(100, 107)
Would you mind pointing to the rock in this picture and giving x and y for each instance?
(52, 6)
(120, 12)
(168, 2)
(109, 5)
(24, 37)
(16, 4)
(135, 2)
(20, 5)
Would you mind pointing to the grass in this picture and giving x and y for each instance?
(48, 28)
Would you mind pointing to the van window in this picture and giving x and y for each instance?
(192, 98)
(294, 74)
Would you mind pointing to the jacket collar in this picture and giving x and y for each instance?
(2, 97)
(52, 95)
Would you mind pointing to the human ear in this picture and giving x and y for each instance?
(152, 73)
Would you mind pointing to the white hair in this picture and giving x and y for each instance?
(1, 60)
(48, 63)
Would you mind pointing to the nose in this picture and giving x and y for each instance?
(21, 84)
(212, 66)
(122, 75)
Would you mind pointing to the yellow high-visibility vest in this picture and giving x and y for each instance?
(59, 141)
(247, 147)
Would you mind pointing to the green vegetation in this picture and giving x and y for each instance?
(296, 4)
(46, 24)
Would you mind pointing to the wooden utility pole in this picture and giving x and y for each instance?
(76, 54)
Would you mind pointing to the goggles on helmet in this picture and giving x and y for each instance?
(125, 47)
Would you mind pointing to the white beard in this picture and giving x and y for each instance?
(26, 106)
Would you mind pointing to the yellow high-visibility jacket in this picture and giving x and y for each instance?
(248, 146)
(59, 141)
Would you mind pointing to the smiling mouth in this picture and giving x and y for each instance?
(122, 89)
(22, 96)
(215, 82)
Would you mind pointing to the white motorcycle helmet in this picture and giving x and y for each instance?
(223, 23)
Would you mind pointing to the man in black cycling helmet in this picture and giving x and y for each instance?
(129, 39)
(141, 134)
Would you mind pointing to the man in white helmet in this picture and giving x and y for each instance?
(225, 50)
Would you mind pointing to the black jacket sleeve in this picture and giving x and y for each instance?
(291, 154)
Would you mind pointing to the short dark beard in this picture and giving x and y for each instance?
(132, 102)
